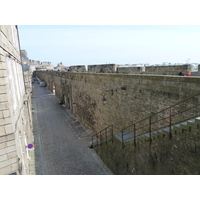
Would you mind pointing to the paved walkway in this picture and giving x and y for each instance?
(61, 142)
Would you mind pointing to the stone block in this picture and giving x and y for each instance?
(3, 89)
(6, 170)
(10, 143)
(12, 154)
(3, 81)
(2, 131)
(8, 162)
(2, 145)
(5, 121)
(3, 98)
(7, 150)
(6, 113)
(9, 129)
(3, 66)
(3, 73)
(15, 166)
(4, 105)
(2, 138)
(1, 114)
(10, 137)
(3, 158)
(2, 58)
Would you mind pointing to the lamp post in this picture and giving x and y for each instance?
(104, 100)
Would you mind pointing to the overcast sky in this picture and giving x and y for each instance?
(120, 44)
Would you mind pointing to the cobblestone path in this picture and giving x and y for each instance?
(61, 142)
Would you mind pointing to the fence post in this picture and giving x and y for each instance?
(122, 139)
(97, 142)
(134, 136)
(106, 135)
(112, 133)
(101, 138)
(150, 129)
(170, 124)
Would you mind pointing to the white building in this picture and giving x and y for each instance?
(15, 107)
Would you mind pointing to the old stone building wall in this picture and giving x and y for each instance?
(168, 70)
(106, 68)
(130, 70)
(156, 70)
(129, 98)
(15, 106)
(77, 68)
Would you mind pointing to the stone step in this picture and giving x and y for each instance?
(126, 136)
(192, 123)
(184, 126)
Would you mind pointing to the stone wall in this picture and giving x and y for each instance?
(129, 98)
(168, 70)
(156, 70)
(27, 79)
(131, 70)
(178, 156)
(78, 68)
(107, 68)
(15, 106)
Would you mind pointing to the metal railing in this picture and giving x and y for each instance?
(105, 135)
(180, 112)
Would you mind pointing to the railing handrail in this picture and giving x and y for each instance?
(164, 109)
(150, 117)
(102, 130)
(161, 120)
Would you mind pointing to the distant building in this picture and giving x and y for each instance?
(61, 67)
(34, 65)
(138, 65)
(26, 68)
(165, 64)
(47, 65)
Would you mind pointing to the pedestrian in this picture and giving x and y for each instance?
(181, 73)
(188, 74)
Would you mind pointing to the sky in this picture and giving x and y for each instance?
(119, 44)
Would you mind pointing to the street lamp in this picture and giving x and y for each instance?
(104, 100)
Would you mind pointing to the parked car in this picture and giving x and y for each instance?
(42, 84)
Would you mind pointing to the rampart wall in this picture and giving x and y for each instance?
(108, 68)
(159, 70)
(114, 68)
(130, 70)
(129, 98)
(178, 156)
(78, 68)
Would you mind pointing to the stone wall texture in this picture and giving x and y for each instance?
(178, 156)
(129, 98)
(77, 68)
(131, 70)
(106, 68)
(156, 70)
(15, 106)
